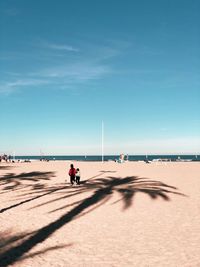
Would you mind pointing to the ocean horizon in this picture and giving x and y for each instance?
(110, 157)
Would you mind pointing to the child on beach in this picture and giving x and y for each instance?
(72, 174)
(78, 176)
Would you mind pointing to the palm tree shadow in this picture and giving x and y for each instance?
(25, 176)
(154, 189)
(13, 181)
(8, 240)
(32, 180)
(103, 189)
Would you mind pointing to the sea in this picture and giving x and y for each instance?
(112, 157)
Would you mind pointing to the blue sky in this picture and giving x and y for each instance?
(67, 65)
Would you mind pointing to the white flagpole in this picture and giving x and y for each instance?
(102, 142)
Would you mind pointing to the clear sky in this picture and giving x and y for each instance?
(67, 65)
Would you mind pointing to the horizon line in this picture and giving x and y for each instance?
(91, 155)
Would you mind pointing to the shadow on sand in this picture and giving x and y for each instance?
(6, 167)
(13, 181)
(8, 240)
(101, 190)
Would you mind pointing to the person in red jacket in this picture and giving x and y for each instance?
(72, 174)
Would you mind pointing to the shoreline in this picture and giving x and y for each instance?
(106, 158)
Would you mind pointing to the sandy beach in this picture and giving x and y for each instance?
(130, 214)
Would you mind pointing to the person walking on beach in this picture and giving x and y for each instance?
(78, 176)
(72, 174)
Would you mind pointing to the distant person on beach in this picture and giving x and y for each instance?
(72, 174)
(78, 176)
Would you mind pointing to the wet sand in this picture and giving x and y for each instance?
(130, 214)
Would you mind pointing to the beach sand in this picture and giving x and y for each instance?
(130, 214)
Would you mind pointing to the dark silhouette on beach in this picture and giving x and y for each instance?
(101, 189)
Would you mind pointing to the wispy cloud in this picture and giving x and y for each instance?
(76, 71)
(62, 47)
(57, 46)
(9, 87)
(62, 76)
(26, 82)
(88, 65)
